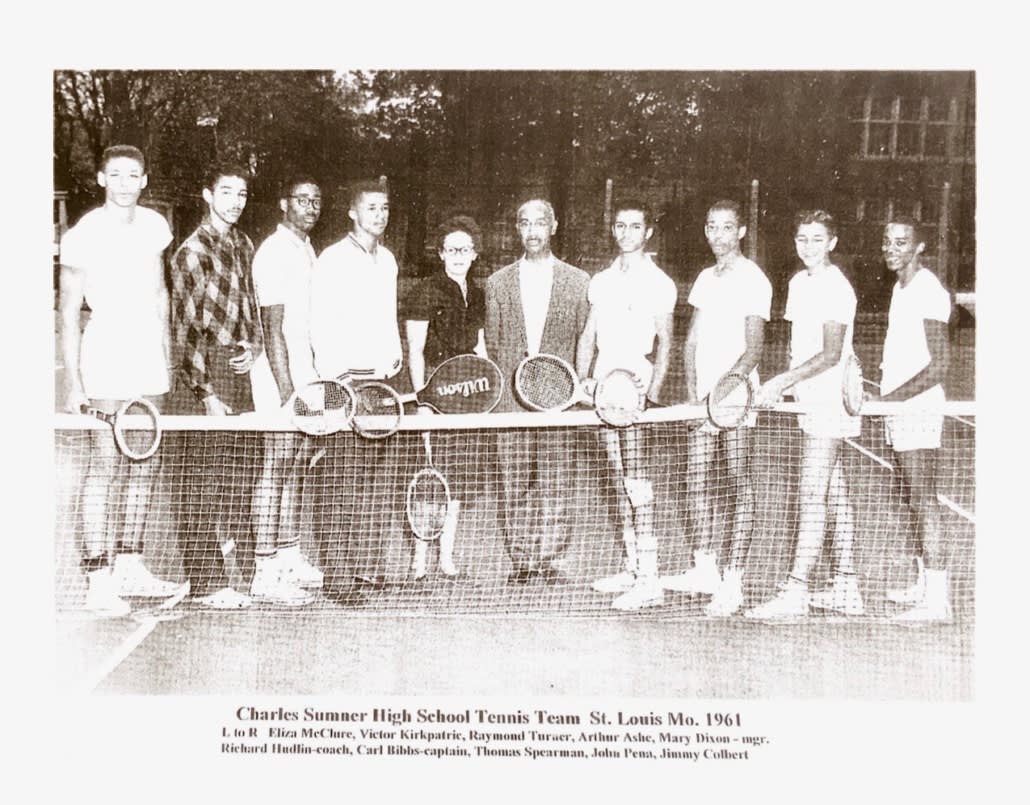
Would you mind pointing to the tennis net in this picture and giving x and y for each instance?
(532, 487)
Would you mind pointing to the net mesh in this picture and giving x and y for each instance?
(532, 487)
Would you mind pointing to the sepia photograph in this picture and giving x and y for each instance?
(519, 403)
(358, 366)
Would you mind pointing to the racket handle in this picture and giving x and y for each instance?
(103, 416)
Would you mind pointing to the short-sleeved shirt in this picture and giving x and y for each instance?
(124, 350)
(454, 321)
(905, 351)
(813, 300)
(354, 311)
(626, 304)
(724, 300)
(282, 276)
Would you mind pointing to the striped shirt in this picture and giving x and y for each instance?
(213, 299)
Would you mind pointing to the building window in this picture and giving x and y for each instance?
(913, 128)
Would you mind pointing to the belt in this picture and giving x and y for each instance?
(378, 373)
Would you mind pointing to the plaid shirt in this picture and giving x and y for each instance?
(213, 299)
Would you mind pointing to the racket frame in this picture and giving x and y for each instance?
(749, 404)
(480, 360)
(357, 420)
(619, 417)
(578, 393)
(852, 378)
(116, 420)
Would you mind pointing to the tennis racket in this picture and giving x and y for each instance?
(322, 407)
(464, 384)
(428, 499)
(730, 401)
(549, 383)
(136, 427)
(853, 386)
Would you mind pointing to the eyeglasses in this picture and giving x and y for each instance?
(454, 251)
(305, 202)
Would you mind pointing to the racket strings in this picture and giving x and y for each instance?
(322, 407)
(136, 430)
(428, 498)
(853, 386)
(546, 384)
(377, 410)
(619, 398)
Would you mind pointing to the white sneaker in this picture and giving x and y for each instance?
(644, 593)
(844, 597)
(912, 594)
(225, 598)
(300, 572)
(133, 580)
(924, 612)
(102, 597)
(728, 597)
(619, 583)
(702, 578)
(790, 602)
(271, 587)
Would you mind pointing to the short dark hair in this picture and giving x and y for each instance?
(816, 217)
(728, 205)
(460, 223)
(918, 230)
(294, 181)
(119, 152)
(636, 204)
(364, 187)
(219, 170)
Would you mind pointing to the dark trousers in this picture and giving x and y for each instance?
(534, 469)
(217, 473)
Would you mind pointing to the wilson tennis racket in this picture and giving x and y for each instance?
(549, 383)
(136, 426)
(428, 499)
(464, 384)
(853, 386)
(730, 401)
(322, 407)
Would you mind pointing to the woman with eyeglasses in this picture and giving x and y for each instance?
(444, 316)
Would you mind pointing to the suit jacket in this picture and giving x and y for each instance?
(505, 331)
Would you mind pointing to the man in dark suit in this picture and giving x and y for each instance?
(535, 305)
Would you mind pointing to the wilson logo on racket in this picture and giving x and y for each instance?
(465, 388)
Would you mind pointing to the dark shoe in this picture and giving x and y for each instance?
(369, 582)
(345, 596)
(553, 577)
(520, 576)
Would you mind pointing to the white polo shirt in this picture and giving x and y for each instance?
(354, 311)
(626, 304)
(282, 270)
(813, 300)
(535, 281)
(905, 351)
(124, 350)
(724, 300)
